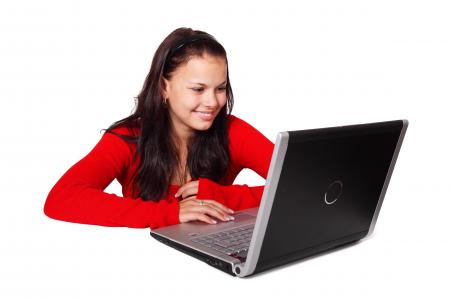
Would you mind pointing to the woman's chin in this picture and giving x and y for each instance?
(203, 127)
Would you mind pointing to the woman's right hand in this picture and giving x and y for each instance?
(191, 209)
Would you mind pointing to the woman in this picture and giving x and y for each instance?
(177, 155)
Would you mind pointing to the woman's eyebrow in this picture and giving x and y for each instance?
(206, 84)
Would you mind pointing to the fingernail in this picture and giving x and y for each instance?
(231, 211)
(176, 195)
(230, 218)
(214, 221)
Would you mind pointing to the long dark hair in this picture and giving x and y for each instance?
(208, 154)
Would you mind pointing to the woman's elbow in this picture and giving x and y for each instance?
(51, 209)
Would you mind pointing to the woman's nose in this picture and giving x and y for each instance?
(211, 100)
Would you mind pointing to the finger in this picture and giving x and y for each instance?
(217, 208)
(211, 203)
(195, 208)
(213, 211)
(206, 219)
(186, 186)
(193, 216)
(181, 189)
(220, 205)
(189, 192)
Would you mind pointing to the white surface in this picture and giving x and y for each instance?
(71, 68)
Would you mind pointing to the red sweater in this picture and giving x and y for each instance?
(79, 195)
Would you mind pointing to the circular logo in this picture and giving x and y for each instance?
(333, 192)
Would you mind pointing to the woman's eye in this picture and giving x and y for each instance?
(201, 89)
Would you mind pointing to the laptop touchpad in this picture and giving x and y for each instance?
(239, 217)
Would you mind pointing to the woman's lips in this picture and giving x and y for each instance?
(204, 115)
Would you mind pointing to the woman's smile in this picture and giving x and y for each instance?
(205, 116)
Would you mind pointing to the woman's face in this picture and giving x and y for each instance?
(196, 93)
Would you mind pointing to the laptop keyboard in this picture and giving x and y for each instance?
(234, 242)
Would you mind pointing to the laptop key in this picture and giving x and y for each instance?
(218, 248)
(223, 244)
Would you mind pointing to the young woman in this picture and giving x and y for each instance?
(177, 155)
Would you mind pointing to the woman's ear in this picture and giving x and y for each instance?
(165, 88)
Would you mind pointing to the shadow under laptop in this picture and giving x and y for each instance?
(302, 260)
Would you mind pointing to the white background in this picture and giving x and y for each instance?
(70, 68)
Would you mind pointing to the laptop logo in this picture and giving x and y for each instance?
(333, 192)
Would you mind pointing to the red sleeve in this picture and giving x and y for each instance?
(79, 195)
(250, 149)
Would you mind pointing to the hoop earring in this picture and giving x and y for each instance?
(165, 101)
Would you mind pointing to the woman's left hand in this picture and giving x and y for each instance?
(187, 190)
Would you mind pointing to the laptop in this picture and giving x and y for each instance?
(324, 190)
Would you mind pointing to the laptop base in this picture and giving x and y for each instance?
(212, 261)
